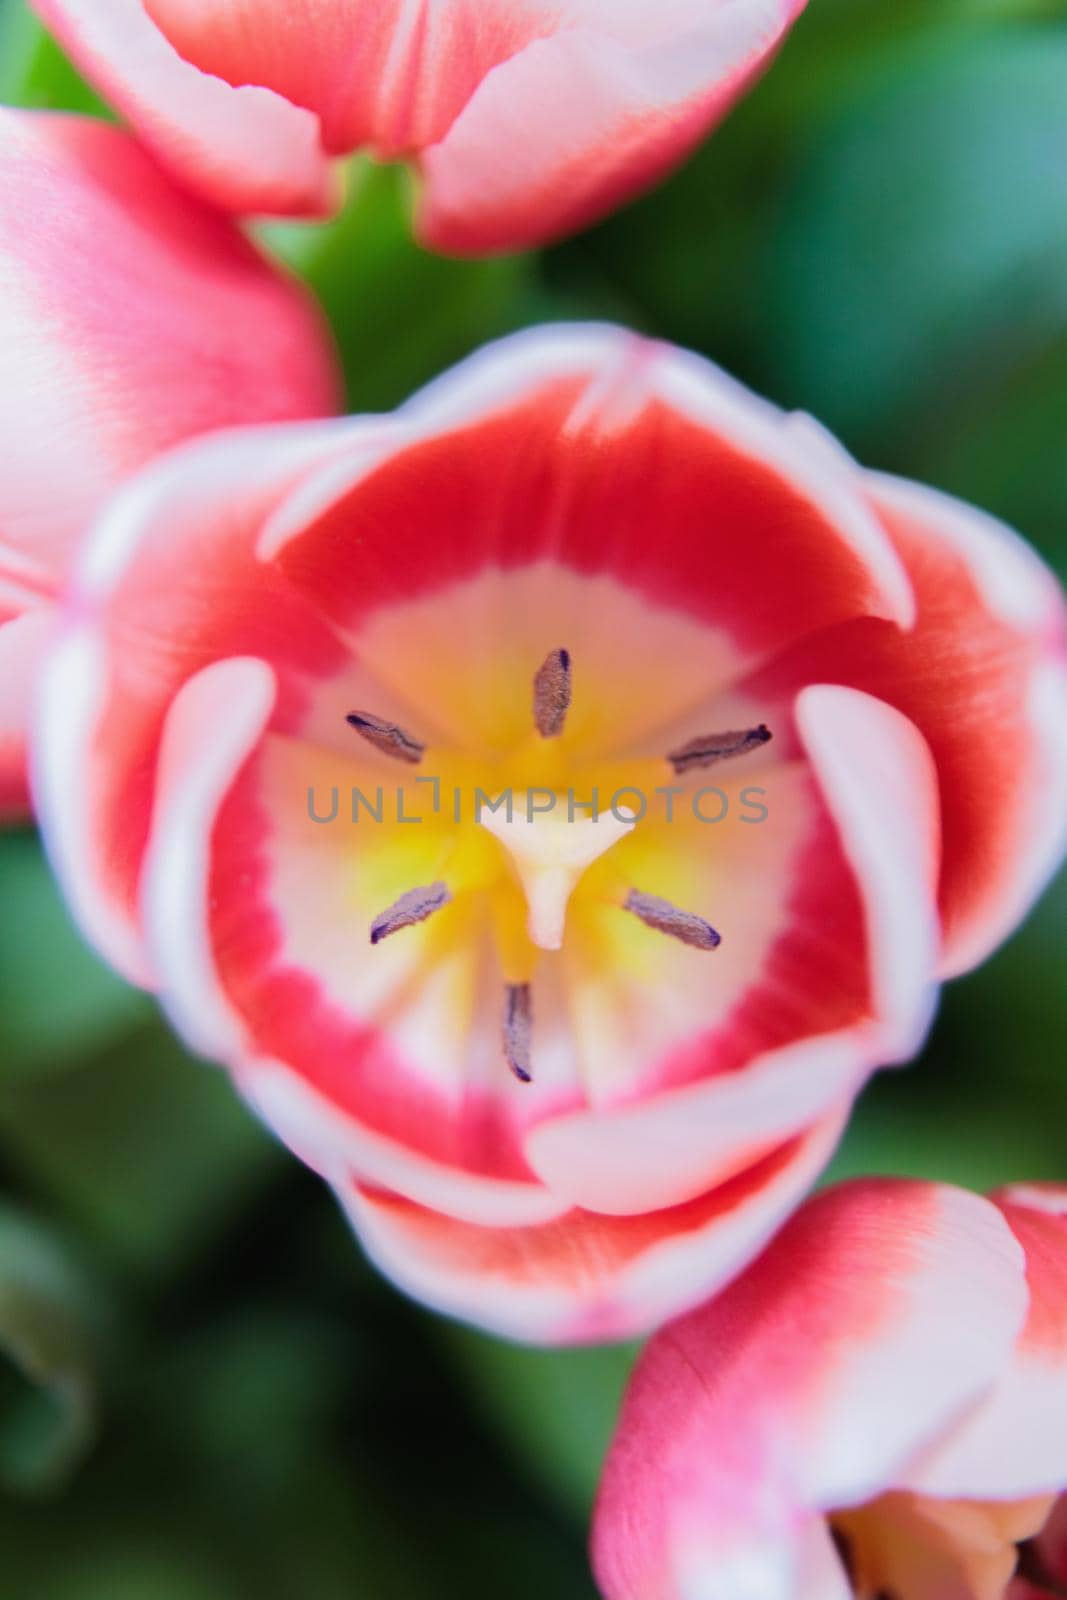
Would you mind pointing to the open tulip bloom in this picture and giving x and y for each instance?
(876, 1409)
(551, 801)
(591, 100)
(131, 316)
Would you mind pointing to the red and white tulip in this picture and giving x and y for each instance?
(131, 317)
(875, 1410)
(567, 1077)
(592, 100)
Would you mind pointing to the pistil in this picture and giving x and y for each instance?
(550, 851)
(709, 748)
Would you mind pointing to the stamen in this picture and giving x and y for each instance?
(414, 906)
(552, 693)
(517, 1029)
(708, 748)
(387, 737)
(667, 918)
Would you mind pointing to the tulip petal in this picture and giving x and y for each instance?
(809, 1384)
(245, 99)
(984, 677)
(169, 325)
(389, 76)
(528, 451)
(335, 1145)
(23, 640)
(996, 718)
(880, 782)
(243, 149)
(880, 787)
(131, 317)
(1015, 1444)
(176, 546)
(614, 112)
(211, 727)
(584, 1278)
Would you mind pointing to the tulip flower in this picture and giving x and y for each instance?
(551, 801)
(525, 119)
(875, 1410)
(131, 317)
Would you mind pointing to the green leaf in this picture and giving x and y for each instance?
(34, 72)
(986, 1103)
(399, 313)
(46, 1360)
(58, 1002)
(922, 252)
(145, 1148)
(556, 1409)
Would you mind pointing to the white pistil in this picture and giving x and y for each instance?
(550, 851)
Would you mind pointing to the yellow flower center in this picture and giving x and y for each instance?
(531, 828)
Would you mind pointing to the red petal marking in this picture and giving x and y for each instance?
(552, 463)
(392, 76)
(965, 676)
(351, 1063)
(583, 1278)
(169, 584)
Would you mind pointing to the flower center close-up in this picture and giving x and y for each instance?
(526, 818)
(553, 823)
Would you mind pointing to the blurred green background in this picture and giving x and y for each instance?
(205, 1394)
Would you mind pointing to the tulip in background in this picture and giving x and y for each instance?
(525, 119)
(131, 317)
(566, 1076)
(877, 1407)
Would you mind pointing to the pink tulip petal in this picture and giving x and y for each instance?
(613, 116)
(584, 1278)
(880, 786)
(172, 559)
(984, 678)
(532, 448)
(22, 644)
(242, 149)
(336, 1145)
(617, 94)
(214, 723)
(807, 1386)
(130, 317)
(390, 76)
(1015, 1445)
(997, 721)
